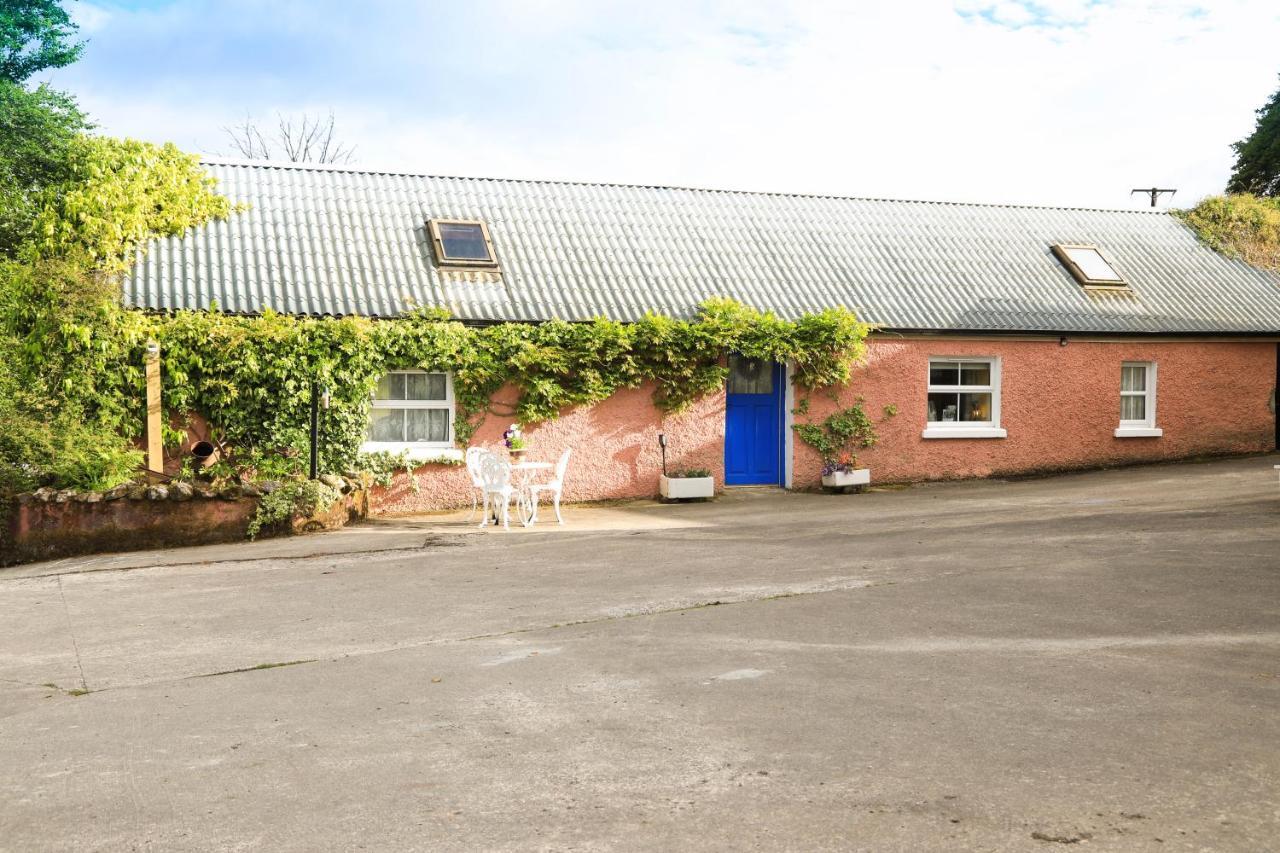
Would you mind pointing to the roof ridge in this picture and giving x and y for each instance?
(340, 167)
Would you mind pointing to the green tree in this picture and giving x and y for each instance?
(37, 131)
(1257, 168)
(1239, 226)
(35, 35)
(122, 193)
(69, 401)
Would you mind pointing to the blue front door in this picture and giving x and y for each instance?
(753, 423)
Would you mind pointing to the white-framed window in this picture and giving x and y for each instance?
(963, 398)
(1138, 401)
(412, 409)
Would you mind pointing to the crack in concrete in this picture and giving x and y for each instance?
(634, 613)
(75, 647)
(256, 668)
(1014, 645)
(432, 541)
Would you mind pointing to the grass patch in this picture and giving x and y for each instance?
(72, 691)
(256, 668)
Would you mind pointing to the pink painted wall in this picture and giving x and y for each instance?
(615, 451)
(1060, 406)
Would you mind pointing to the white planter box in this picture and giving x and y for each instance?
(674, 488)
(841, 479)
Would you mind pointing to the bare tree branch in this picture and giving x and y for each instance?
(248, 140)
(302, 139)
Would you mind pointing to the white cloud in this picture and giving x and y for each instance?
(89, 17)
(1055, 101)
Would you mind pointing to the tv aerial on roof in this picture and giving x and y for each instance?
(1154, 192)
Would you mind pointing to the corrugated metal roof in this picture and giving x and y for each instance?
(343, 241)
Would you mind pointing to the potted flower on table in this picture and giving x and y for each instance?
(515, 441)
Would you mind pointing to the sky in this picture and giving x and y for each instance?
(1060, 102)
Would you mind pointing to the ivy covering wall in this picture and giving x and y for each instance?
(251, 377)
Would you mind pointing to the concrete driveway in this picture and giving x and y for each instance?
(982, 666)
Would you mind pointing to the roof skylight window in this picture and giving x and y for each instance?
(462, 243)
(1088, 265)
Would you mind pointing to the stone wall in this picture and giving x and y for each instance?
(49, 524)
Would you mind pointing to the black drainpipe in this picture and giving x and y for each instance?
(314, 467)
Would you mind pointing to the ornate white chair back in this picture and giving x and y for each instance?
(562, 465)
(495, 473)
(473, 457)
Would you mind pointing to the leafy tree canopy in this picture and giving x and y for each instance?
(35, 35)
(1239, 226)
(1257, 169)
(37, 129)
(63, 331)
(121, 193)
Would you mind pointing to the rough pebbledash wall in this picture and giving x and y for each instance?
(615, 451)
(1060, 405)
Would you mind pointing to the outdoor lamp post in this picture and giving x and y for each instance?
(319, 397)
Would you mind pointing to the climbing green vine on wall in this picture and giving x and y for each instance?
(250, 377)
(840, 435)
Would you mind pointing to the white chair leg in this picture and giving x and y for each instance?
(506, 513)
(558, 518)
(472, 514)
(484, 522)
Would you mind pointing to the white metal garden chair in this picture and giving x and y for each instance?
(495, 476)
(554, 486)
(473, 457)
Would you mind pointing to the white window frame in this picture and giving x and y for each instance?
(1146, 427)
(419, 449)
(965, 429)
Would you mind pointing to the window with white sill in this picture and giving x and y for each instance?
(1138, 401)
(411, 410)
(963, 398)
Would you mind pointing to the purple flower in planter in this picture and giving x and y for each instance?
(513, 438)
(832, 466)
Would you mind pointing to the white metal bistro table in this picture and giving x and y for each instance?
(522, 476)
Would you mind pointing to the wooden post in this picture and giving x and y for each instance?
(155, 439)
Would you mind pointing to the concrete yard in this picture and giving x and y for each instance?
(1090, 659)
